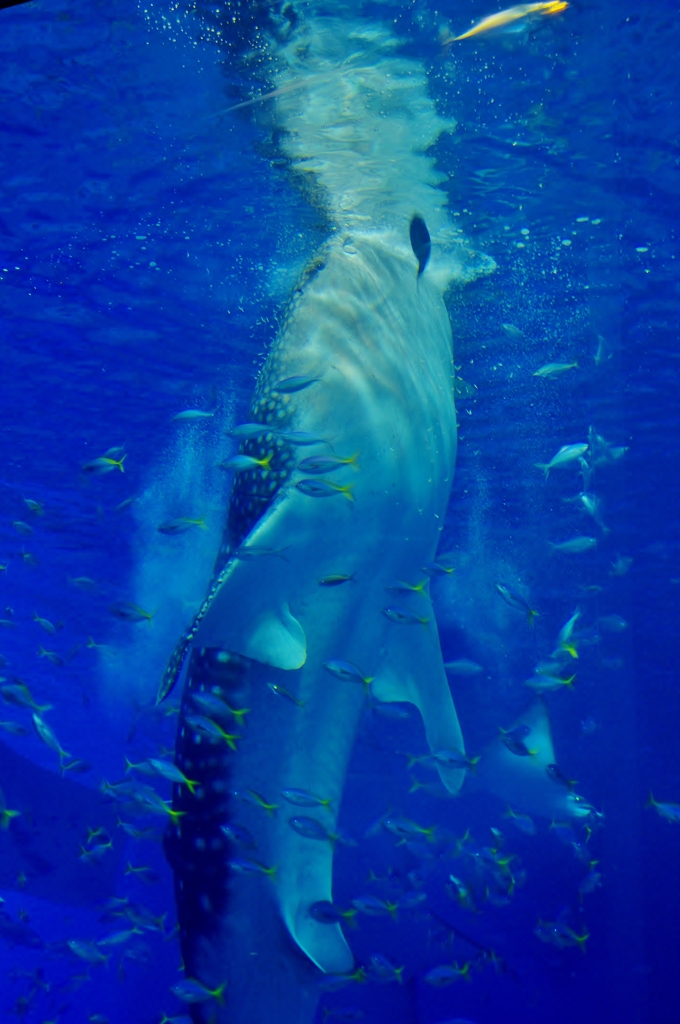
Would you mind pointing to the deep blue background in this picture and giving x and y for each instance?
(110, 130)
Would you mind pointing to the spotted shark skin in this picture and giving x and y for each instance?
(369, 325)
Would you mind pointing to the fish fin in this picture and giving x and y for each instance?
(523, 781)
(305, 878)
(324, 944)
(413, 671)
(247, 611)
(421, 244)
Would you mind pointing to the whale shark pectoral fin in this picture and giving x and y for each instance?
(413, 671)
(247, 618)
(324, 944)
(249, 611)
(522, 781)
(306, 877)
(277, 639)
(538, 740)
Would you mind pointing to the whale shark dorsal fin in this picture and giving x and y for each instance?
(413, 671)
(539, 739)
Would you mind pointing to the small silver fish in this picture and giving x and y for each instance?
(405, 618)
(301, 438)
(47, 735)
(543, 683)
(335, 579)
(170, 771)
(612, 623)
(189, 990)
(564, 636)
(591, 882)
(82, 582)
(326, 463)
(206, 726)
(454, 759)
(383, 968)
(567, 454)
(250, 430)
(463, 667)
(104, 464)
(346, 671)
(574, 546)
(555, 774)
(402, 587)
(211, 704)
(173, 527)
(281, 691)
(447, 974)
(303, 798)
(621, 566)
(20, 695)
(192, 414)
(310, 828)
(14, 728)
(324, 488)
(76, 767)
(516, 600)
(521, 821)
(45, 624)
(238, 835)
(551, 370)
(36, 507)
(241, 463)
(86, 951)
(292, 384)
(119, 938)
(251, 867)
(602, 353)
(592, 505)
(129, 612)
(671, 812)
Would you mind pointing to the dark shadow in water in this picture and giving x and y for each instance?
(44, 843)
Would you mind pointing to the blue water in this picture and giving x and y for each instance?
(148, 242)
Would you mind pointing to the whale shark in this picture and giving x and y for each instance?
(319, 601)
(376, 393)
